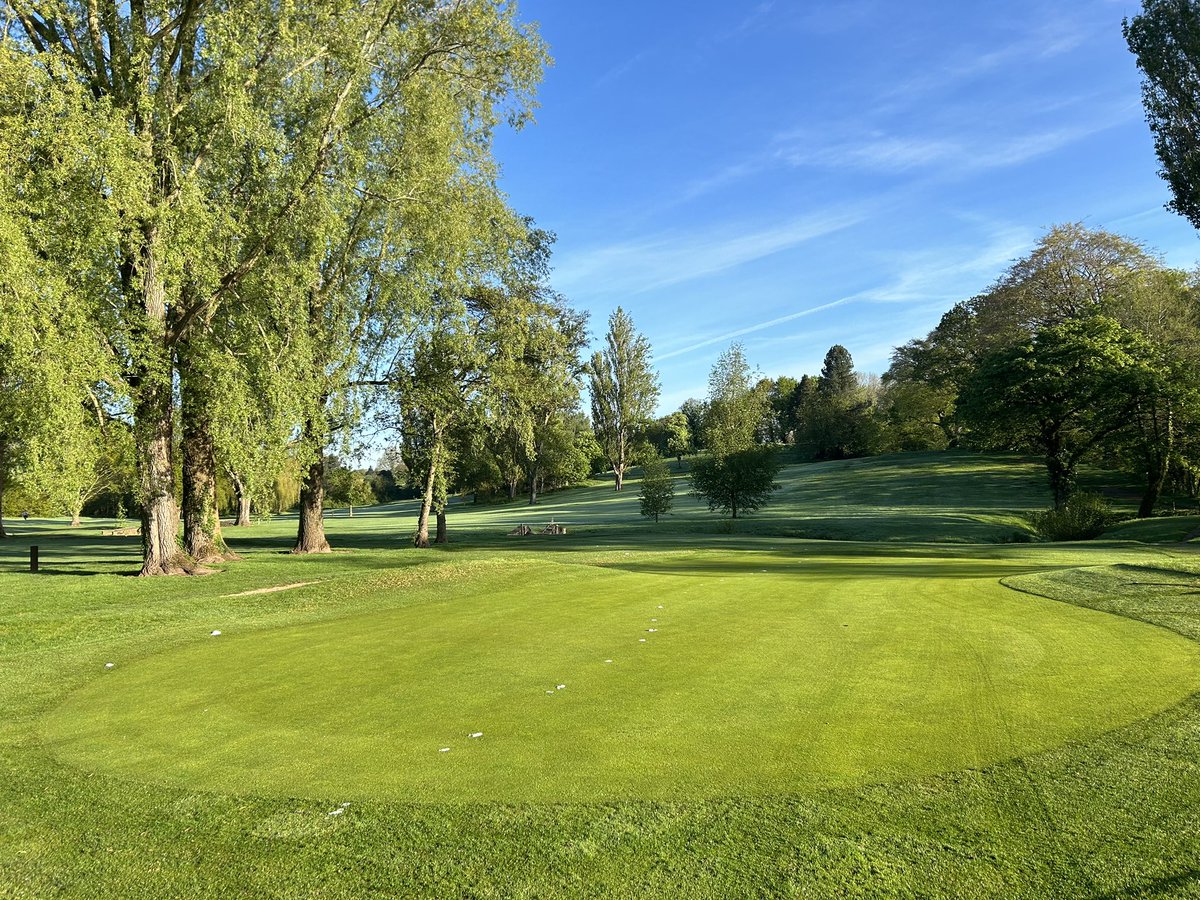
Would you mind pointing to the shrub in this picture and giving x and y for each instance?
(1083, 516)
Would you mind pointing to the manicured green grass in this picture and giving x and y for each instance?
(683, 676)
(995, 720)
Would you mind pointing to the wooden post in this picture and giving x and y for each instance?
(33, 558)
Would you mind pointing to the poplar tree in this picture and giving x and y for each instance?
(624, 390)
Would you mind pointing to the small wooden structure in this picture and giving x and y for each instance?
(527, 530)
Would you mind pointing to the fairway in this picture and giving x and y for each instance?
(732, 674)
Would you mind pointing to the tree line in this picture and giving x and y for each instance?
(230, 234)
(228, 229)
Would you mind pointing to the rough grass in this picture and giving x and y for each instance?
(1113, 814)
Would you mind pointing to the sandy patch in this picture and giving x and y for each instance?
(271, 590)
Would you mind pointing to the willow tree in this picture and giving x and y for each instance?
(624, 390)
(416, 193)
(241, 123)
(51, 361)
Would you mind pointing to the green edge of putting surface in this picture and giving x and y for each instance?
(765, 673)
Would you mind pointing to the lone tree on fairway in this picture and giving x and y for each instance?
(624, 389)
(658, 488)
(734, 408)
(739, 476)
(738, 482)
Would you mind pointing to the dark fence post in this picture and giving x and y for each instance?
(33, 558)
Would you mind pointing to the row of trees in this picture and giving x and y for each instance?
(1086, 348)
(224, 229)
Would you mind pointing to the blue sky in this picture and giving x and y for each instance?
(794, 175)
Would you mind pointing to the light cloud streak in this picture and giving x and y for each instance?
(665, 259)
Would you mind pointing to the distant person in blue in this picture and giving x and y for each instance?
(25, 515)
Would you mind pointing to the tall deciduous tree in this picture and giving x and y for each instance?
(624, 391)
(734, 408)
(1065, 392)
(1165, 37)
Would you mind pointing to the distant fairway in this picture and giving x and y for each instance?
(761, 673)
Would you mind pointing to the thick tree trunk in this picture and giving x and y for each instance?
(154, 418)
(442, 537)
(1061, 474)
(160, 515)
(311, 534)
(202, 539)
(243, 503)
(619, 476)
(533, 487)
(512, 488)
(76, 517)
(1155, 477)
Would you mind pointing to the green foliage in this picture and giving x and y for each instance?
(1064, 393)
(1165, 37)
(348, 487)
(837, 373)
(624, 390)
(737, 482)
(658, 488)
(1085, 515)
(679, 435)
(734, 409)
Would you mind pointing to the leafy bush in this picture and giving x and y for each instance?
(1083, 516)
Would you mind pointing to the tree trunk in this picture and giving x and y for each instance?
(3, 485)
(1159, 461)
(512, 488)
(156, 474)
(442, 537)
(310, 538)
(619, 476)
(421, 540)
(1156, 476)
(1061, 474)
(533, 487)
(202, 539)
(154, 418)
(76, 520)
(243, 502)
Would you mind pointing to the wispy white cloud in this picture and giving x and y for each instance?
(621, 69)
(931, 279)
(632, 267)
(750, 329)
(1046, 40)
(968, 151)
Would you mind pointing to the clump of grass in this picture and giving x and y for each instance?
(1084, 516)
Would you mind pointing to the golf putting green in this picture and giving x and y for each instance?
(731, 673)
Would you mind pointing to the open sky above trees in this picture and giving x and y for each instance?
(840, 174)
